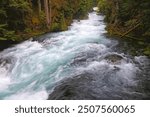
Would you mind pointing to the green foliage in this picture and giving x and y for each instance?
(22, 17)
(22, 5)
(21, 8)
(102, 5)
(42, 18)
(12, 18)
(55, 27)
(6, 34)
(60, 25)
(83, 8)
(147, 51)
(3, 13)
(125, 14)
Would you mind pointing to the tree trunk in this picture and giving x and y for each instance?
(50, 11)
(133, 28)
(47, 12)
(39, 6)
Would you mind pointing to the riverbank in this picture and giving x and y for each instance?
(128, 20)
(141, 44)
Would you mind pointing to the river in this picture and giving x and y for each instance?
(80, 63)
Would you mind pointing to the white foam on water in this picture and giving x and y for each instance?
(39, 95)
(142, 60)
(5, 80)
(95, 8)
(124, 71)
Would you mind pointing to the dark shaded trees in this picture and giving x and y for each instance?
(21, 19)
(128, 18)
(122, 15)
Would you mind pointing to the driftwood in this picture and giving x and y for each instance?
(131, 30)
(125, 34)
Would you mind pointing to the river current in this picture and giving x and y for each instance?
(80, 63)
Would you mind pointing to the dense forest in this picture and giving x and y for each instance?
(21, 19)
(127, 18)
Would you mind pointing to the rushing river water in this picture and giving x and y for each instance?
(81, 63)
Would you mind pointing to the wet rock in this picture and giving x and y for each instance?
(78, 61)
(116, 68)
(7, 63)
(83, 58)
(73, 88)
(4, 62)
(89, 87)
(114, 58)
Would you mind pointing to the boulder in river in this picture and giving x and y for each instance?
(114, 58)
(88, 87)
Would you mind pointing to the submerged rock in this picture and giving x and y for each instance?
(89, 87)
(4, 62)
(114, 58)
